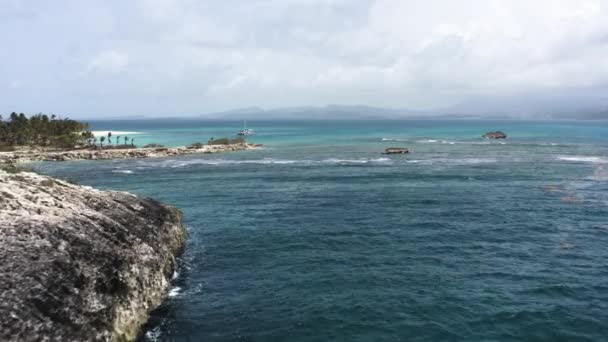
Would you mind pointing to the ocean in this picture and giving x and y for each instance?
(320, 237)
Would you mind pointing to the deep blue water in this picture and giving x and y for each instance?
(319, 237)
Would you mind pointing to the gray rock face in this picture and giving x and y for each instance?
(79, 264)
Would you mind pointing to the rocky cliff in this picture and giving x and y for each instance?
(79, 264)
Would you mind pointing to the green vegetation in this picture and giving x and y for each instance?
(226, 141)
(43, 131)
(196, 145)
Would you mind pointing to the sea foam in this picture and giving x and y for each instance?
(127, 172)
(583, 159)
(175, 291)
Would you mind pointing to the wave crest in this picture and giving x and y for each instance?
(584, 159)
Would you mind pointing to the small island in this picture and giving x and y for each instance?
(495, 135)
(396, 150)
(42, 137)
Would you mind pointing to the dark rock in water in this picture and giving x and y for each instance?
(396, 150)
(153, 146)
(495, 135)
(79, 264)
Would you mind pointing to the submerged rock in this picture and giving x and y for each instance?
(396, 150)
(79, 264)
(495, 135)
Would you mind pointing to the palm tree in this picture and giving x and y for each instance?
(109, 137)
(126, 139)
(132, 144)
(95, 141)
(101, 140)
(117, 139)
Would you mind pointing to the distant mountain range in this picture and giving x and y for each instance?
(580, 104)
(335, 112)
(461, 111)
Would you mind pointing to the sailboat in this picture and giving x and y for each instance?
(245, 130)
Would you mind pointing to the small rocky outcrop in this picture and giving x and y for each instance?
(396, 150)
(79, 264)
(495, 135)
(128, 153)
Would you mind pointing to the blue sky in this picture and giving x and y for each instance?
(173, 57)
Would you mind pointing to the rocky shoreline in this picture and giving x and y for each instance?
(128, 153)
(80, 264)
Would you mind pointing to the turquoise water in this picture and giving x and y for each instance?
(319, 237)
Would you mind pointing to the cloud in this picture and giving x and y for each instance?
(15, 85)
(188, 56)
(110, 61)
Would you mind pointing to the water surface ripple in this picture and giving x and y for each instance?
(319, 237)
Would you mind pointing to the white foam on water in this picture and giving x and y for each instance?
(475, 160)
(127, 172)
(448, 162)
(435, 141)
(172, 163)
(461, 161)
(285, 162)
(344, 161)
(583, 159)
(394, 139)
(356, 161)
(175, 291)
(153, 335)
(449, 142)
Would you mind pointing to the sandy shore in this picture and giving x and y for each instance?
(36, 155)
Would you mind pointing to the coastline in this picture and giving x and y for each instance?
(15, 157)
(102, 260)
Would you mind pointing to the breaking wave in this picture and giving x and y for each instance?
(126, 172)
(584, 159)
(395, 139)
(266, 161)
(175, 291)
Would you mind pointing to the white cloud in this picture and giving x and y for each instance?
(206, 56)
(110, 61)
(15, 85)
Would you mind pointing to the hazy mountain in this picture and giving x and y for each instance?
(332, 112)
(572, 104)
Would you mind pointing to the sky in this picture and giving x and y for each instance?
(173, 57)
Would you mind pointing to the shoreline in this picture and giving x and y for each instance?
(15, 157)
